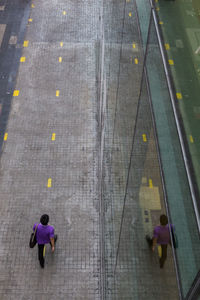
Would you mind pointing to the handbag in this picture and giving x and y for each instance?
(33, 240)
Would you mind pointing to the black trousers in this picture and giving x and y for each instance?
(41, 254)
(41, 251)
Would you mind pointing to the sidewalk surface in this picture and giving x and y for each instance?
(59, 60)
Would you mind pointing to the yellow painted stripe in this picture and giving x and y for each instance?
(64, 13)
(49, 183)
(25, 43)
(130, 14)
(30, 20)
(171, 62)
(179, 96)
(61, 44)
(53, 137)
(150, 183)
(191, 139)
(5, 136)
(60, 59)
(57, 93)
(23, 59)
(16, 93)
(32, 5)
(144, 137)
(167, 47)
(134, 46)
(136, 61)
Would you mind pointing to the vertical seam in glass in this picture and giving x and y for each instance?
(100, 96)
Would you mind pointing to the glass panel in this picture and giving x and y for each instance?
(123, 72)
(178, 193)
(181, 31)
(137, 267)
(144, 13)
(132, 185)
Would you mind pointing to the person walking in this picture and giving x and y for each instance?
(44, 235)
(161, 236)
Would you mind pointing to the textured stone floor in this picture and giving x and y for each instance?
(73, 88)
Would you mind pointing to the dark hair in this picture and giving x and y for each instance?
(163, 220)
(44, 220)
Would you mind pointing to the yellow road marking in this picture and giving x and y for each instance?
(64, 13)
(16, 93)
(25, 43)
(5, 136)
(53, 137)
(191, 139)
(130, 14)
(57, 93)
(61, 44)
(179, 96)
(49, 183)
(144, 137)
(60, 59)
(136, 61)
(167, 47)
(150, 183)
(171, 62)
(30, 20)
(134, 46)
(23, 59)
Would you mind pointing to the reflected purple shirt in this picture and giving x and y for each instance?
(162, 234)
(44, 233)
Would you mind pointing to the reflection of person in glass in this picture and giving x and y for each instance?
(161, 236)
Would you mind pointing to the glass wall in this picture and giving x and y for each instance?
(176, 183)
(143, 166)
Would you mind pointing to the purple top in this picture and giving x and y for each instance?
(44, 233)
(162, 234)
